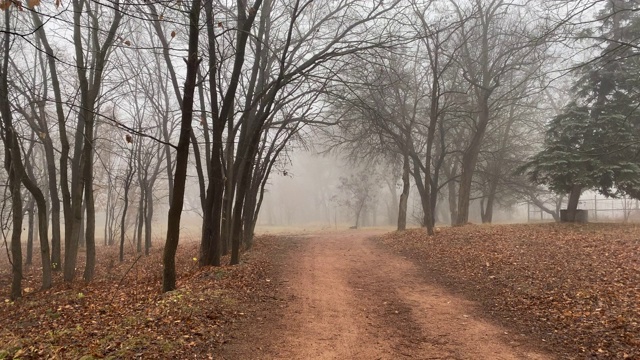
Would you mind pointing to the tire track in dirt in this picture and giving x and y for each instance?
(348, 298)
(326, 321)
(448, 327)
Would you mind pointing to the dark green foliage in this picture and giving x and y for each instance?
(600, 153)
(595, 142)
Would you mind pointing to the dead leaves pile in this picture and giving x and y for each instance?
(115, 317)
(576, 287)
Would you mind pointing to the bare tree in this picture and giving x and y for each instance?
(17, 176)
(495, 46)
(358, 192)
(182, 152)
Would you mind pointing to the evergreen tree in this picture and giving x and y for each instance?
(595, 142)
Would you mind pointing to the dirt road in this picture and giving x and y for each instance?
(344, 297)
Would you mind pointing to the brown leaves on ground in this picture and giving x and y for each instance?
(577, 287)
(117, 318)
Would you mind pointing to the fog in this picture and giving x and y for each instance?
(307, 196)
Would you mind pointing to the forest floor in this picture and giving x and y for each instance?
(479, 292)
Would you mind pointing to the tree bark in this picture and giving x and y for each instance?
(404, 197)
(16, 234)
(90, 212)
(148, 207)
(126, 187)
(107, 217)
(452, 195)
(90, 223)
(470, 159)
(250, 205)
(182, 153)
(82, 161)
(82, 241)
(43, 219)
(141, 217)
(210, 245)
(434, 112)
(572, 205)
(30, 225)
(487, 212)
(56, 253)
(16, 172)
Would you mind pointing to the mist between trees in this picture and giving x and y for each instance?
(113, 112)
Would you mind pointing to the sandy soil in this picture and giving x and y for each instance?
(341, 296)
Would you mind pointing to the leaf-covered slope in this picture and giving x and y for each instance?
(122, 316)
(575, 287)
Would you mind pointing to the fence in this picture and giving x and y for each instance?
(599, 208)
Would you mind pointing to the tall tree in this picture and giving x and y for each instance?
(182, 152)
(17, 176)
(495, 44)
(91, 57)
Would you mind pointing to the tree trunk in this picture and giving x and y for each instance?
(82, 240)
(43, 219)
(229, 190)
(572, 205)
(90, 227)
(182, 154)
(227, 209)
(470, 159)
(71, 241)
(10, 159)
(404, 197)
(487, 211)
(434, 198)
(211, 243)
(236, 222)
(107, 215)
(16, 175)
(89, 203)
(16, 234)
(452, 196)
(464, 191)
(249, 213)
(31, 222)
(243, 180)
(56, 253)
(395, 202)
(73, 222)
(56, 236)
(140, 221)
(126, 187)
(431, 133)
(148, 207)
(82, 161)
(211, 246)
(422, 186)
(170, 164)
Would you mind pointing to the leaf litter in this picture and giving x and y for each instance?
(116, 317)
(575, 287)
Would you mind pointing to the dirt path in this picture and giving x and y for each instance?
(343, 297)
